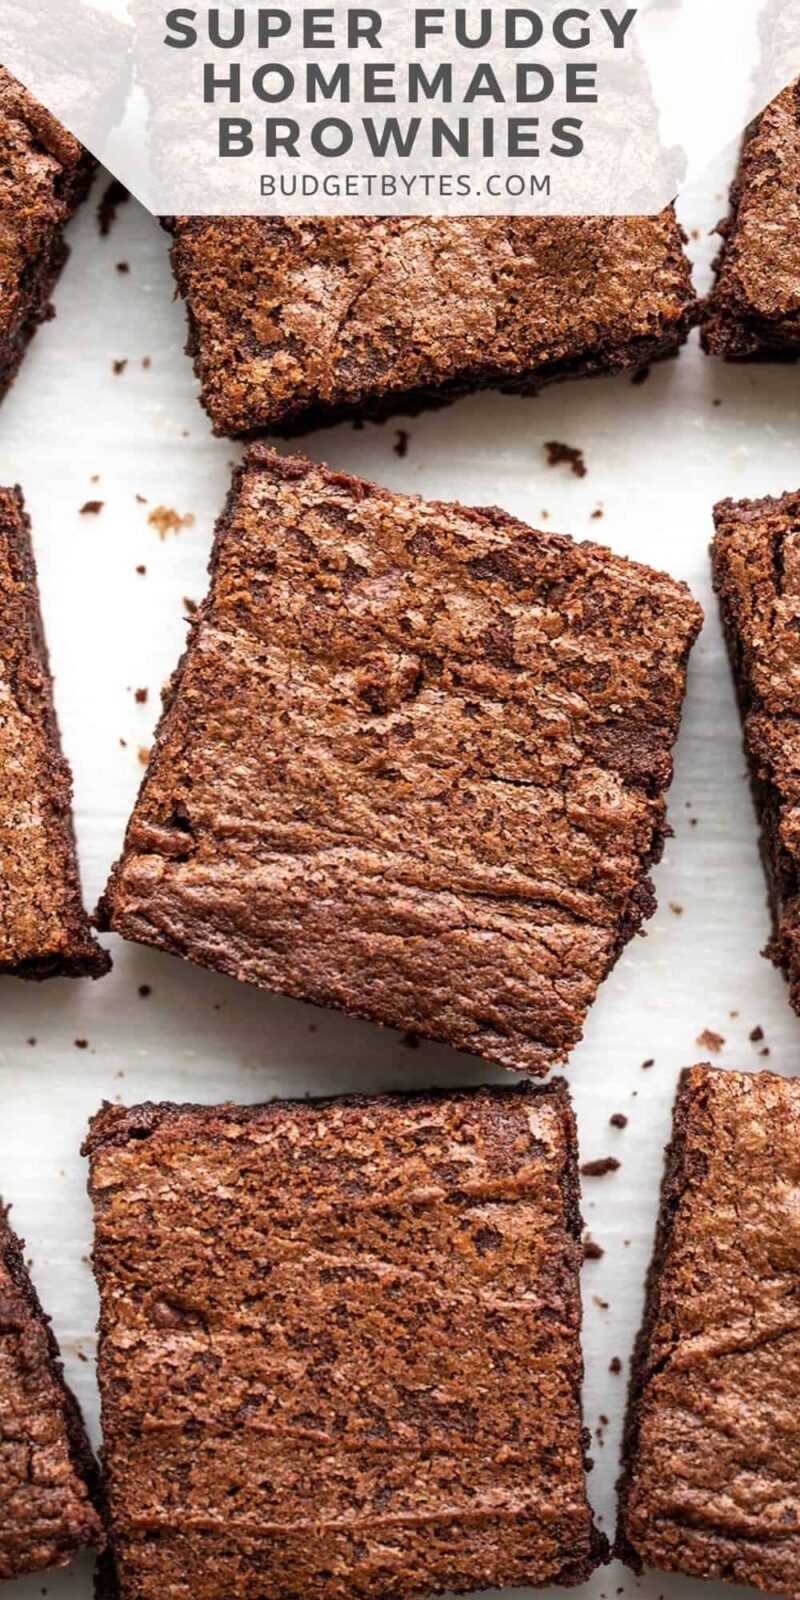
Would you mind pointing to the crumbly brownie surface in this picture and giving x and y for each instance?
(756, 564)
(712, 1449)
(48, 1479)
(44, 931)
(340, 1346)
(753, 311)
(44, 175)
(412, 764)
(297, 321)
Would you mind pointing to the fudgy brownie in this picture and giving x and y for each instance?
(412, 764)
(44, 175)
(712, 1444)
(48, 1478)
(297, 321)
(44, 931)
(756, 565)
(753, 312)
(340, 1346)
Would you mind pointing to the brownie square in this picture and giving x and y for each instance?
(340, 1346)
(44, 175)
(48, 1478)
(756, 565)
(412, 763)
(299, 321)
(44, 931)
(712, 1445)
(753, 312)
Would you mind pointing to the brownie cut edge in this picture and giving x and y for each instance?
(45, 931)
(407, 1245)
(49, 1482)
(412, 764)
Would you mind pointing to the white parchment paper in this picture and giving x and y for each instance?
(657, 457)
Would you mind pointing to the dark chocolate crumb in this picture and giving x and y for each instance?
(615, 1365)
(123, 267)
(81, 1044)
(144, 990)
(592, 1251)
(559, 454)
(618, 1120)
(599, 1168)
(92, 508)
(650, 1062)
(114, 195)
(400, 445)
(756, 1035)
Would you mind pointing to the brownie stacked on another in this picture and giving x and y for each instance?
(756, 565)
(340, 1346)
(48, 1479)
(297, 321)
(44, 931)
(753, 312)
(712, 1447)
(412, 764)
(44, 175)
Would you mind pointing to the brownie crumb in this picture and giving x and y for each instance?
(597, 513)
(141, 570)
(709, 1040)
(190, 606)
(165, 520)
(32, 1039)
(81, 1044)
(676, 907)
(123, 267)
(650, 1062)
(144, 990)
(114, 195)
(119, 367)
(141, 697)
(559, 454)
(92, 508)
(400, 445)
(756, 1035)
(592, 1251)
(143, 754)
(615, 1365)
(599, 1168)
(618, 1120)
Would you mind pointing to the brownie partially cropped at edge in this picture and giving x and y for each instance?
(44, 930)
(753, 312)
(340, 1346)
(44, 175)
(297, 321)
(712, 1443)
(412, 763)
(48, 1477)
(756, 565)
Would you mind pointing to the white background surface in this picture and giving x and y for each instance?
(657, 457)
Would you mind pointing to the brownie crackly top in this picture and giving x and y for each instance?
(339, 1346)
(47, 1474)
(412, 764)
(754, 308)
(298, 320)
(43, 174)
(713, 1440)
(756, 562)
